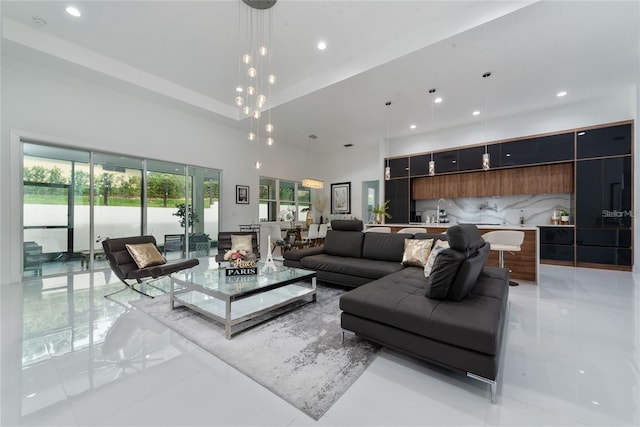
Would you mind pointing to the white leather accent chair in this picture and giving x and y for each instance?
(505, 240)
(412, 230)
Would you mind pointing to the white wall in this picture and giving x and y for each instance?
(62, 105)
(352, 165)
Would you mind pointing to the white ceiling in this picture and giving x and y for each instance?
(378, 51)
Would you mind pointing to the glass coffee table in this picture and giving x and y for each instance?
(239, 302)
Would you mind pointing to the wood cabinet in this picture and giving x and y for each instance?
(553, 179)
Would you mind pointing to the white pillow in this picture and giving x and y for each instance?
(428, 266)
(241, 242)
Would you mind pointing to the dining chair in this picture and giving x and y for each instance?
(322, 233)
(313, 234)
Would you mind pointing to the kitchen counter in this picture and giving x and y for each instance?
(449, 224)
(524, 265)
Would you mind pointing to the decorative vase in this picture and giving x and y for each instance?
(564, 219)
(379, 219)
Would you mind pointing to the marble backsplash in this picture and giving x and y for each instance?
(537, 209)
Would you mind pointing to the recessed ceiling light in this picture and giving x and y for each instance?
(561, 94)
(239, 89)
(412, 127)
(476, 113)
(39, 21)
(438, 100)
(73, 11)
(508, 155)
(321, 45)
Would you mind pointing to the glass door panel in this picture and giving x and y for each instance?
(166, 213)
(55, 181)
(117, 199)
(206, 207)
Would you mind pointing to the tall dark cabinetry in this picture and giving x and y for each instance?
(397, 192)
(603, 196)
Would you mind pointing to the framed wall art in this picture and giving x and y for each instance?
(341, 198)
(242, 194)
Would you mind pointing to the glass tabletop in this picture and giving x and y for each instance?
(215, 279)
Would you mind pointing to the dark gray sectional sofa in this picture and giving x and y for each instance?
(455, 318)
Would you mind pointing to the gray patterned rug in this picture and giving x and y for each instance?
(298, 355)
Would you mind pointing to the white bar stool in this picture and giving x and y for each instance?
(412, 230)
(505, 240)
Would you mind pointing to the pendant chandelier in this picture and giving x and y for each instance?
(387, 169)
(486, 160)
(253, 92)
(311, 182)
(432, 164)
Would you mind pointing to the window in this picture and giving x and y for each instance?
(282, 200)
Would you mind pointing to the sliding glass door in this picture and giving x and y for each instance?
(65, 222)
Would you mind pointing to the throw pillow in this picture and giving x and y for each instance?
(416, 252)
(445, 268)
(431, 259)
(241, 242)
(145, 255)
(441, 244)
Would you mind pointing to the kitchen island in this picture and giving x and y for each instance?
(524, 265)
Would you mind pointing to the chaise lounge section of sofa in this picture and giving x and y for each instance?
(454, 318)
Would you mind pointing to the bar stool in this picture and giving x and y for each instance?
(505, 240)
(412, 230)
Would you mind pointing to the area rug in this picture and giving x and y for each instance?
(298, 355)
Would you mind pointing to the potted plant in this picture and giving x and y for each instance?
(564, 216)
(181, 213)
(381, 211)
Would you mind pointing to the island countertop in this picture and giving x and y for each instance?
(524, 265)
(449, 224)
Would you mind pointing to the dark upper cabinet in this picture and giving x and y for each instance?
(446, 161)
(603, 192)
(603, 142)
(399, 167)
(419, 165)
(543, 149)
(470, 159)
(397, 192)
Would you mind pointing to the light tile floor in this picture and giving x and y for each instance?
(71, 357)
